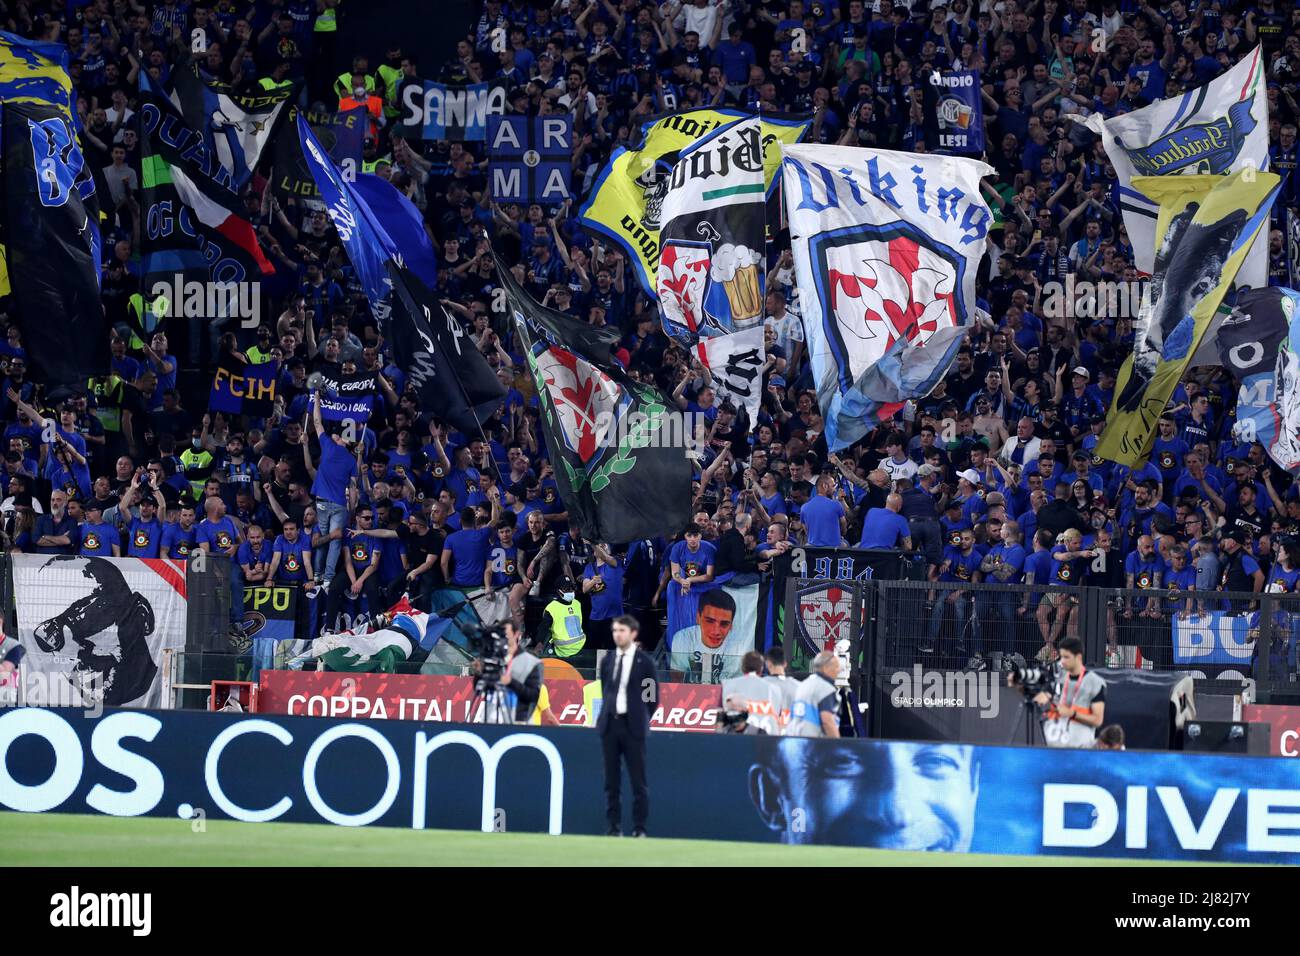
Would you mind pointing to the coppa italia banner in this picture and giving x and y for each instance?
(1284, 726)
(97, 626)
(442, 697)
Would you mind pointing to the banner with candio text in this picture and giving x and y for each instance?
(908, 795)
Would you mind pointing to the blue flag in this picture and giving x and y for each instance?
(403, 224)
(364, 228)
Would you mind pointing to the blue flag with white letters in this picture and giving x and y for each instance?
(376, 223)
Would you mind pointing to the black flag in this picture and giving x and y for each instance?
(51, 227)
(450, 374)
(620, 454)
(1248, 339)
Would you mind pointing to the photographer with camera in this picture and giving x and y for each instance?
(503, 668)
(1071, 699)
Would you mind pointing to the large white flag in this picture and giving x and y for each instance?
(886, 246)
(1217, 128)
(736, 363)
(95, 628)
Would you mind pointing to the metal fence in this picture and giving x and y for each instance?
(1213, 635)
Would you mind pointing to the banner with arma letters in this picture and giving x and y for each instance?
(95, 628)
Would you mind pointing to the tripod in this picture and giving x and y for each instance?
(496, 709)
(1026, 724)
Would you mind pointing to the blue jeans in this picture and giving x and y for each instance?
(998, 609)
(331, 517)
(961, 607)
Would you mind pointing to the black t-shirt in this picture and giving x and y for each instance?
(419, 547)
(133, 402)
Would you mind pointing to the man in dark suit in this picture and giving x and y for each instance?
(629, 691)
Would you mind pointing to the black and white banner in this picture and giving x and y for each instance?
(736, 363)
(711, 268)
(95, 628)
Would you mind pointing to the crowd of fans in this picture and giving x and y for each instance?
(992, 477)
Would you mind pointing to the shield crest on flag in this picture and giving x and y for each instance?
(879, 286)
(683, 284)
(825, 615)
(586, 400)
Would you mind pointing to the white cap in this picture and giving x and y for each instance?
(971, 475)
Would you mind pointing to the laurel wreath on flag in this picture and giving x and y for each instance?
(624, 460)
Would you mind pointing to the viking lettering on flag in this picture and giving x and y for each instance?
(626, 203)
(235, 126)
(619, 452)
(1214, 129)
(51, 228)
(711, 263)
(1206, 225)
(436, 111)
(736, 363)
(450, 375)
(886, 246)
(1260, 345)
(32, 71)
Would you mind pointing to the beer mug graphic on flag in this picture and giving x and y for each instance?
(954, 112)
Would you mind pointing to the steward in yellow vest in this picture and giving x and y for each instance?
(562, 625)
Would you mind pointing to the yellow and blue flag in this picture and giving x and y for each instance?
(32, 71)
(1205, 228)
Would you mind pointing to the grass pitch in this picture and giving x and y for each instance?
(57, 839)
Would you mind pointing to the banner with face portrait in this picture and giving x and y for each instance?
(95, 628)
(710, 628)
(886, 246)
(711, 262)
(1206, 225)
(1215, 129)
